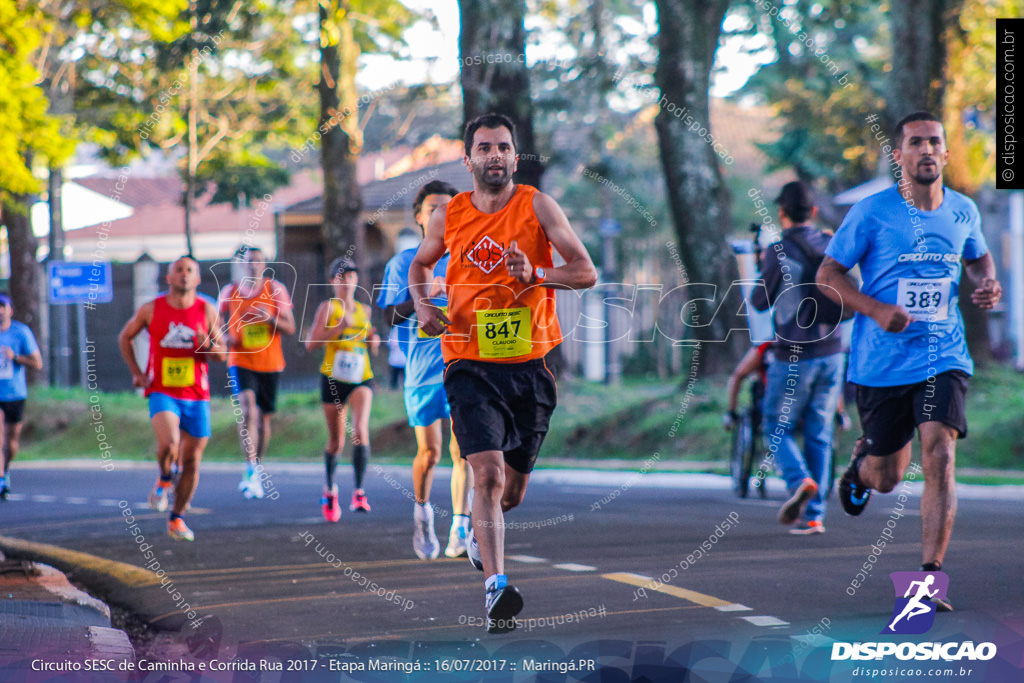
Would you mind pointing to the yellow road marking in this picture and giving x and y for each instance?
(651, 585)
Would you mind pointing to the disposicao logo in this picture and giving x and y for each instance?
(913, 614)
(914, 611)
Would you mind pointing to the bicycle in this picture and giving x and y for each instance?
(748, 444)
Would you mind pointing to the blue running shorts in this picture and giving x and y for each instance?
(426, 404)
(194, 416)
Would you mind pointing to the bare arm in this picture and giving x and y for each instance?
(399, 313)
(213, 344)
(578, 271)
(131, 330)
(33, 360)
(432, 319)
(321, 332)
(982, 273)
(285, 321)
(748, 365)
(833, 282)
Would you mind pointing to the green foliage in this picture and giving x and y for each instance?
(250, 72)
(827, 74)
(27, 130)
(248, 177)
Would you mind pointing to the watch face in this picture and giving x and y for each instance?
(540, 273)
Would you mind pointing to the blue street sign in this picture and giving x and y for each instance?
(79, 283)
(609, 227)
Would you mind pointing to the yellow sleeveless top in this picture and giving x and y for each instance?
(345, 358)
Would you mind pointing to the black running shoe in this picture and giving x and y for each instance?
(853, 494)
(503, 604)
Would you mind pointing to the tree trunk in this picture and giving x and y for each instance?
(26, 274)
(688, 33)
(492, 45)
(919, 55)
(340, 140)
(922, 32)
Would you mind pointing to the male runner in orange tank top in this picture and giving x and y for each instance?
(499, 326)
(257, 311)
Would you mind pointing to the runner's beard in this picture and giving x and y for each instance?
(494, 180)
(926, 177)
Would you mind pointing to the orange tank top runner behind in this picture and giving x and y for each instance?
(495, 317)
(257, 344)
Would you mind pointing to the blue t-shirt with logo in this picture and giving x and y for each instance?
(424, 363)
(19, 338)
(911, 258)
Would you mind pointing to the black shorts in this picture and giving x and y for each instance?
(336, 392)
(13, 411)
(889, 415)
(263, 384)
(501, 407)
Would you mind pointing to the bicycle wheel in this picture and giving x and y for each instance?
(739, 462)
(757, 455)
(832, 465)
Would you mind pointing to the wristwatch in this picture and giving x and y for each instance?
(539, 275)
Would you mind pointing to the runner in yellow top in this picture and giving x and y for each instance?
(342, 328)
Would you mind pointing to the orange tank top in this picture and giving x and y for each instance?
(257, 344)
(495, 317)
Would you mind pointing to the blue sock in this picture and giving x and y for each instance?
(496, 582)
(175, 516)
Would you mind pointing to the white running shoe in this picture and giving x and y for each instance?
(473, 551)
(457, 537)
(424, 540)
(253, 488)
(158, 496)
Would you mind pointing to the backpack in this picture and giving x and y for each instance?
(825, 311)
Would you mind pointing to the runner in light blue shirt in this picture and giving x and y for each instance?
(909, 355)
(18, 350)
(426, 402)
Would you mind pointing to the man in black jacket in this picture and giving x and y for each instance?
(805, 378)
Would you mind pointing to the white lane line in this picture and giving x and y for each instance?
(76, 501)
(526, 559)
(734, 607)
(765, 621)
(572, 567)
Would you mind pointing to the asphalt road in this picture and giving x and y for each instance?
(644, 576)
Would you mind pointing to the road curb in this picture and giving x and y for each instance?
(133, 588)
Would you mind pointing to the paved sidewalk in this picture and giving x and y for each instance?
(44, 617)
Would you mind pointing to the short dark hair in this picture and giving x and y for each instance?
(796, 201)
(340, 266)
(491, 120)
(245, 249)
(433, 187)
(911, 118)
